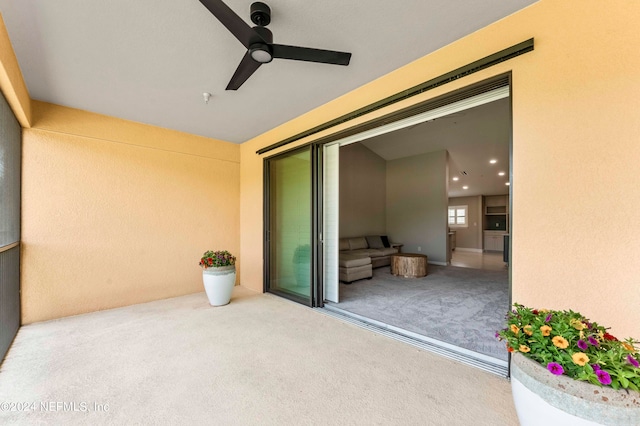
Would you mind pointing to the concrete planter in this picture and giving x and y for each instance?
(542, 398)
(218, 284)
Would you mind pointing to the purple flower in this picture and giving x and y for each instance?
(582, 345)
(555, 368)
(548, 318)
(604, 377)
(595, 367)
(593, 341)
(633, 361)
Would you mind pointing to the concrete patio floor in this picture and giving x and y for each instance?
(259, 360)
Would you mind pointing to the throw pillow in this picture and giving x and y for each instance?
(375, 242)
(385, 241)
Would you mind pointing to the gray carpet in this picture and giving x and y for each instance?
(461, 306)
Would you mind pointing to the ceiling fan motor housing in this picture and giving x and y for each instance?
(260, 14)
(261, 52)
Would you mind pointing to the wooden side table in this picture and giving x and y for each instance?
(409, 265)
(397, 245)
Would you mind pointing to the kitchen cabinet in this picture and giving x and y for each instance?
(496, 214)
(494, 240)
(452, 244)
(496, 204)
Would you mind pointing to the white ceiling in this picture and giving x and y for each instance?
(151, 60)
(472, 137)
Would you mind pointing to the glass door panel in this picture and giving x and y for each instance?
(289, 221)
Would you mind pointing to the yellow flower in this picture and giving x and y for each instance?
(528, 330)
(514, 329)
(628, 347)
(577, 324)
(546, 330)
(580, 358)
(544, 311)
(560, 342)
(524, 348)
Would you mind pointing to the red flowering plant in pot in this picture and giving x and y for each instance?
(216, 259)
(568, 346)
(218, 276)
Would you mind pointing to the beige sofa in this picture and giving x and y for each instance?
(359, 255)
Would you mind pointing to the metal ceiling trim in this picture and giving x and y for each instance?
(481, 64)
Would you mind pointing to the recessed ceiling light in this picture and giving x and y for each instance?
(456, 178)
(507, 183)
(501, 173)
(465, 187)
(493, 161)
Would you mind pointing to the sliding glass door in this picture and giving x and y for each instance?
(289, 225)
(10, 178)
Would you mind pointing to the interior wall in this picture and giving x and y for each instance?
(417, 204)
(116, 213)
(574, 141)
(471, 236)
(362, 192)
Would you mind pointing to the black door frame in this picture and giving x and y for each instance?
(315, 210)
(316, 147)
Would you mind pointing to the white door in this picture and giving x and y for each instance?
(331, 221)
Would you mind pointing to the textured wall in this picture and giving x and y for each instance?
(11, 82)
(575, 128)
(116, 213)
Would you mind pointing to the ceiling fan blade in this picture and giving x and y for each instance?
(312, 55)
(247, 67)
(240, 29)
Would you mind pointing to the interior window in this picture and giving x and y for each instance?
(458, 216)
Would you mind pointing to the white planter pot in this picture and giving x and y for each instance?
(542, 398)
(218, 284)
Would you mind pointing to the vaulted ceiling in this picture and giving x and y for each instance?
(151, 60)
(472, 138)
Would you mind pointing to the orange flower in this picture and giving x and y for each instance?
(514, 329)
(510, 349)
(577, 324)
(580, 358)
(524, 348)
(546, 330)
(528, 330)
(628, 347)
(560, 342)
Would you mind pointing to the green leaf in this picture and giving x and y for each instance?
(624, 382)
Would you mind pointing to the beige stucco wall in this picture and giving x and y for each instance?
(575, 127)
(11, 82)
(116, 213)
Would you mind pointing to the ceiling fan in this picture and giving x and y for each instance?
(259, 42)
